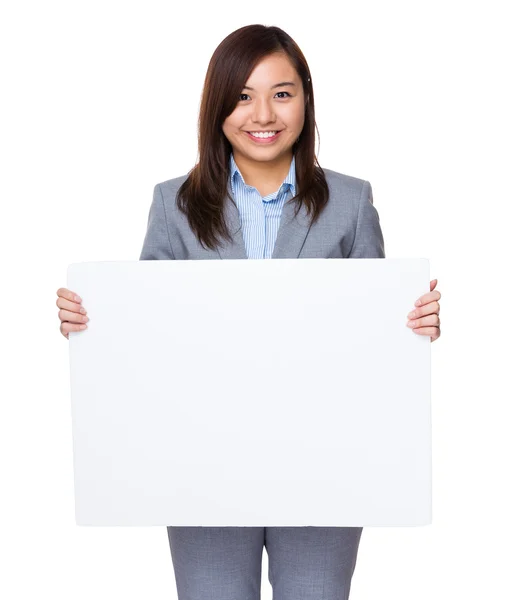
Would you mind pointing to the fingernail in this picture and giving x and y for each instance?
(418, 303)
(82, 310)
(411, 315)
(77, 298)
(83, 326)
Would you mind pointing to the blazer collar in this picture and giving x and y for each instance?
(292, 233)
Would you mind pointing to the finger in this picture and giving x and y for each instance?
(66, 327)
(433, 332)
(72, 317)
(75, 307)
(422, 311)
(433, 284)
(433, 319)
(429, 297)
(68, 294)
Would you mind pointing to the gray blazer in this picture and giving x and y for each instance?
(348, 227)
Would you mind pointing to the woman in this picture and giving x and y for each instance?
(257, 168)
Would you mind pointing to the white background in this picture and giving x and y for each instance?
(100, 103)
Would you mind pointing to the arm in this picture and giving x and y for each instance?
(157, 240)
(368, 241)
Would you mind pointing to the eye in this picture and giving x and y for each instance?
(281, 98)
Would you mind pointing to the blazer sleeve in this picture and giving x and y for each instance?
(368, 241)
(156, 245)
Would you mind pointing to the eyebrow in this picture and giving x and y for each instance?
(282, 84)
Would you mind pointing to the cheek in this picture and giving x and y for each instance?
(229, 130)
(233, 121)
(299, 116)
(292, 117)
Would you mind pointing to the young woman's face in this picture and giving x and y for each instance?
(268, 106)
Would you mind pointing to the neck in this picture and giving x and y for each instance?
(256, 173)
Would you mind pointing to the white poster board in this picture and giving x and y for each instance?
(283, 392)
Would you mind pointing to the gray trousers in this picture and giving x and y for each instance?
(225, 563)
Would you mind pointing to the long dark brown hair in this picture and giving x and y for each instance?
(202, 195)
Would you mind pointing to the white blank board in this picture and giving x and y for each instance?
(283, 392)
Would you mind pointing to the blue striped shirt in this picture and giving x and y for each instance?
(260, 217)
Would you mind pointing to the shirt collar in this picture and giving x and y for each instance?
(289, 180)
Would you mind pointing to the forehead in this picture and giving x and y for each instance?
(272, 69)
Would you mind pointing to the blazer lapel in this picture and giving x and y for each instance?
(291, 236)
(292, 233)
(237, 248)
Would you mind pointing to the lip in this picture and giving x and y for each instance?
(270, 140)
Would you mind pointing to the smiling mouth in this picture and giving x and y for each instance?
(274, 135)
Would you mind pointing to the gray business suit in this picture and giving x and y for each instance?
(347, 228)
(305, 563)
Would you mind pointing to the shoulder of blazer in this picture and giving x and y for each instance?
(340, 185)
(170, 186)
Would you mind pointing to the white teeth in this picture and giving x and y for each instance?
(265, 134)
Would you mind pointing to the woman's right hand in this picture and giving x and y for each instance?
(71, 314)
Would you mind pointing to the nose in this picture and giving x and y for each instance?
(263, 111)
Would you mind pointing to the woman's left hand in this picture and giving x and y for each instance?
(424, 319)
